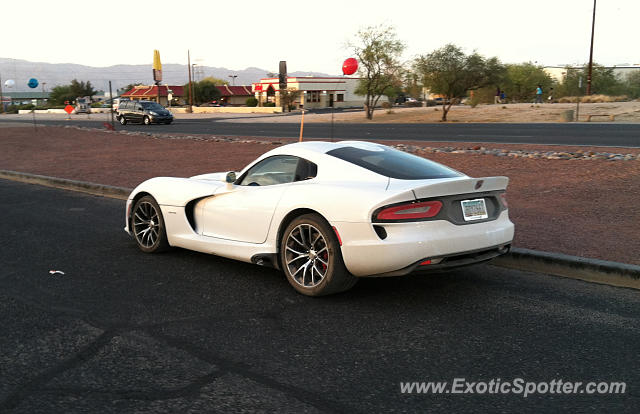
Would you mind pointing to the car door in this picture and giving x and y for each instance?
(123, 109)
(137, 112)
(243, 211)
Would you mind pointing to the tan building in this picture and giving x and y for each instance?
(314, 92)
(558, 73)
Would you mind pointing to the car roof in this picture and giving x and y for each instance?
(321, 147)
(335, 168)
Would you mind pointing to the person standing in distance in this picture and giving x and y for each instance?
(539, 94)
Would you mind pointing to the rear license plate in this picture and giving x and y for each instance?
(474, 209)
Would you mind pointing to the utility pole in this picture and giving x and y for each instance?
(233, 79)
(1, 98)
(593, 25)
(190, 85)
(111, 105)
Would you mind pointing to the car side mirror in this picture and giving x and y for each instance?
(231, 177)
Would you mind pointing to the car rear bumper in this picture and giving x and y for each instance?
(365, 253)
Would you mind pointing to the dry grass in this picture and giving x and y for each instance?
(593, 99)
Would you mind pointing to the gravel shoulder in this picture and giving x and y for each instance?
(585, 208)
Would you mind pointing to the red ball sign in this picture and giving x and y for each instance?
(349, 66)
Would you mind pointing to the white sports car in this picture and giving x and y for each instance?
(328, 213)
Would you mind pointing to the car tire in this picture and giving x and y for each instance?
(311, 258)
(147, 226)
(146, 120)
(122, 120)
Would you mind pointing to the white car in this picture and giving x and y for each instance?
(328, 213)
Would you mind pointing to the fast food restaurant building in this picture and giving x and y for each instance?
(315, 92)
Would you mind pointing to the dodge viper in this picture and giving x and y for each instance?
(328, 213)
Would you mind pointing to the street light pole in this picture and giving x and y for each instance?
(233, 79)
(1, 97)
(593, 25)
(190, 85)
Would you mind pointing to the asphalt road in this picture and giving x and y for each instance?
(616, 135)
(122, 331)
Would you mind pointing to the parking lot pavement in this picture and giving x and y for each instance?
(121, 331)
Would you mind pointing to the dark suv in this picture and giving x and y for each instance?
(143, 112)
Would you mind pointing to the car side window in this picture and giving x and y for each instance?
(279, 169)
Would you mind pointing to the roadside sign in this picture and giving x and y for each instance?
(68, 109)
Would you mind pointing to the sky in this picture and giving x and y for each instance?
(313, 35)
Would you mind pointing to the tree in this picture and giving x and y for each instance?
(522, 79)
(62, 93)
(215, 81)
(448, 71)
(603, 81)
(288, 97)
(378, 51)
(130, 86)
(203, 92)
(633, 84)
(81, 88)
(412, 86)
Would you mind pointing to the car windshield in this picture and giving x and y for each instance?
(151, 105)
(393, 163)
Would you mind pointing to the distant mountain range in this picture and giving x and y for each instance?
(53, 74)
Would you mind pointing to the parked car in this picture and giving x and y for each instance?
(143, 112)
(328, 213)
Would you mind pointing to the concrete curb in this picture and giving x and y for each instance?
(557, 264)
(65, 184)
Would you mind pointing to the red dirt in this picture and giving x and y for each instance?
(583, 208)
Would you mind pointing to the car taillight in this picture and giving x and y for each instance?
(411, 211)
(503, 199)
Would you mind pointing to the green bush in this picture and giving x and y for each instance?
(96, 105)
(270, 104)
(251, 102)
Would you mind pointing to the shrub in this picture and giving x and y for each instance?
(431, 102)
(270, 104)
(251, 101)
(413, 104)
(473, 102)
(385, 105)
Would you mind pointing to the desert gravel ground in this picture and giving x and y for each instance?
(584, 208)
(627, 112)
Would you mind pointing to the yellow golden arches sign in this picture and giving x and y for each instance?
(157, 66)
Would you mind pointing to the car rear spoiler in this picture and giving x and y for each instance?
(435, 188)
